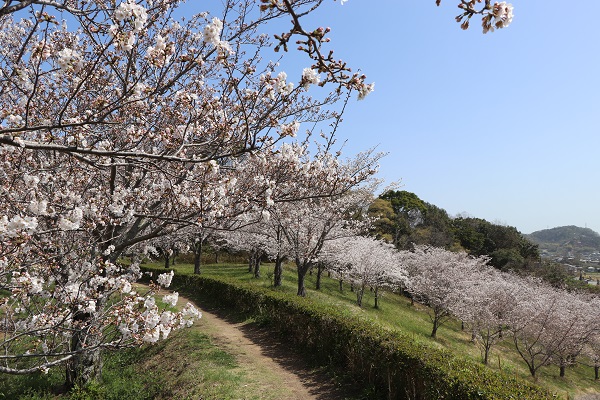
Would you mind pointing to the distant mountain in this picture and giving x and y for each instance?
(566, 241)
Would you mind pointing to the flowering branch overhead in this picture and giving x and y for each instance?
(494, 16)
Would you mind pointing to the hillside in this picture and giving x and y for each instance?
(567, 241)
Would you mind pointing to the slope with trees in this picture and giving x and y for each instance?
(404, 219)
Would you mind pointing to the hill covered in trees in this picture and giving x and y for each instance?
(404, 219)
(567, 241)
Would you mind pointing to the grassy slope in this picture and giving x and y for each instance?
(396, 312)
(189, 364)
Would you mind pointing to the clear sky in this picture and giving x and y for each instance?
(503, 126)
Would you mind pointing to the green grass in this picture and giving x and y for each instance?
(396, 312)
(187, 366)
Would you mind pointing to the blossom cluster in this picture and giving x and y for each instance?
(131, 10)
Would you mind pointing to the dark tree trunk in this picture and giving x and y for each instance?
(251, 261)
(359, 295)
(86, 366)
(562, 371)
(257, 266)
(167, 259)
(597, 372)
(486, 355)
(319, 273)
(278, 272)
(436, 325)
(377, 297)
(341, 285)
(197, 257)
(532, 371)
(303, 268)
(301, 288)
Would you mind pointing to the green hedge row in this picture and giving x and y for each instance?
(393, 363)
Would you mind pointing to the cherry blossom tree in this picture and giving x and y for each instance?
(307, 225)
(488, 299)
(572, 328)
(438, 278)
(531, 323)
(592, 350)
(370, 263)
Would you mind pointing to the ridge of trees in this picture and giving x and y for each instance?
(404, 219)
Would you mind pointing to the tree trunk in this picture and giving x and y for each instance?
(197, 257)
(251, 262)
(562, 370)
(341, 285)
(257, 266)
(86, 366)
(301, 288)
(377, 297)
(319, 273)
(486, 353)
(359, 295)
(435, 328)
(596, 372)
(532, 371)
(167, 259)
(278, 272)
(303, 268)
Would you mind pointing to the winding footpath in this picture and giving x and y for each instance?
(273, 367)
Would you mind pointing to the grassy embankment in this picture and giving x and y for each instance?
(396, 312)
(189, 365)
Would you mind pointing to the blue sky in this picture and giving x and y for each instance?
(503, 126)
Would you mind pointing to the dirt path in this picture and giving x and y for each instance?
(273, 368)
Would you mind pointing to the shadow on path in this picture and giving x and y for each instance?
(316, 380)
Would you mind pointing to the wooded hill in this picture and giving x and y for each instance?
(565, 241)
(404, 219)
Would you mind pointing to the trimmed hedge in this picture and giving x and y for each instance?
(397, 366)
